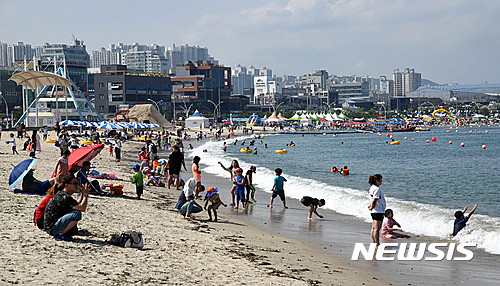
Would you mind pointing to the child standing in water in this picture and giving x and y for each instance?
(388, 226)
(461, 219)
(196, 173)
(278, 189)
(240, 188)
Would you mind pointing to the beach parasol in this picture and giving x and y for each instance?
(69, 123)
(83, 154)
(20, 171)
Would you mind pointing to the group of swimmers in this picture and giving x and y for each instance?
(344, 171)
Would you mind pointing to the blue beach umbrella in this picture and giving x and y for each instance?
(20, 171)
(69, 123)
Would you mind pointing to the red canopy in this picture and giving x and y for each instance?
(83, 154)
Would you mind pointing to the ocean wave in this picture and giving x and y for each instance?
(418, 218)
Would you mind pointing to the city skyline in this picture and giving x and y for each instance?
(448, 42)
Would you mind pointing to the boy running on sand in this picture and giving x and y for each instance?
(278, 188)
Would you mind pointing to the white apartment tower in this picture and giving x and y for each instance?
(406, 81)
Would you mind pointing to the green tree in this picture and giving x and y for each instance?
(485, 111)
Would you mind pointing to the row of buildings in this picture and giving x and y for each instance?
(180, 79)
(154, 58)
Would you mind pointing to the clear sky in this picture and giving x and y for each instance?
(448, 41)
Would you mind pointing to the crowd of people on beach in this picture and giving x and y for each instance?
(58, 214)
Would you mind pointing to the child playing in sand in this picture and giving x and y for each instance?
(239, 181)
(461, 219)
(62, 167)
(278, 188)
(388, 226)
(138, 179)
(213, 198)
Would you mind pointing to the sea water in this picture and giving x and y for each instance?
(424, 183)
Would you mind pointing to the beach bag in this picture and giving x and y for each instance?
(131, 239)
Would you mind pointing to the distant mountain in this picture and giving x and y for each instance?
(427, 82)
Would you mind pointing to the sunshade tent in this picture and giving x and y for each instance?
(20, 171)
(34, 79)
(197, 119)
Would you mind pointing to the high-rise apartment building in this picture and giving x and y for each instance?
(73, 57)
(386, 85)
(9, 54)
(406, 81)
(3, 54)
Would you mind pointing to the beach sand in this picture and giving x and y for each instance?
(176, 251)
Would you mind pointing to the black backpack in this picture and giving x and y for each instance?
(154, 149)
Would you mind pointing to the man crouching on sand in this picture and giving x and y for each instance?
(63, 212)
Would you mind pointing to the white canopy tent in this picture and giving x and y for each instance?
(196, 120)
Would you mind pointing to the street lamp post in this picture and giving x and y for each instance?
(329, 105)
(186, 109)
(277, 107)
(6, 109)
(427, 102)
(216, 107)
(156, 104)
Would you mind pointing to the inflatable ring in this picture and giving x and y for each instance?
(245, 150)
(292, 145)
(281, 151)
(261, 137)
(51, 141)
(395, 143)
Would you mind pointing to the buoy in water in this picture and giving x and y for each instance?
(406, 138)
(462, 144)
(412, 139)
(428, 141)
(484, 147)
(451, 142)
(364, 132)
(388, 135)
(433, 139)
(391, 137)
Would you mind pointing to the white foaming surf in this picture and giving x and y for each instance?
(417, 218)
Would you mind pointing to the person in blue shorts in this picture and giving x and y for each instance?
(278, 189)
(461, 219)
(240, 188)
